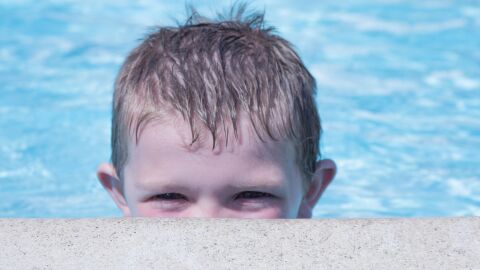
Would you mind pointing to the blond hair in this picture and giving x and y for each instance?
(210, 70)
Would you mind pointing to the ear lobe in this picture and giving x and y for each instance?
(324, 173)
(107, 176)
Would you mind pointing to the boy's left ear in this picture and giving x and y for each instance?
(324, 173)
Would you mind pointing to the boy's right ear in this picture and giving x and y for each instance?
(107, 175)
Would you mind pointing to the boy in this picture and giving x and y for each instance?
(215, 119)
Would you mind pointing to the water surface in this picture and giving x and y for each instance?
(399, 97)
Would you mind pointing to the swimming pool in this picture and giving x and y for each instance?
(399, 97)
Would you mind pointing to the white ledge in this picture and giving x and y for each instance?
(426, 243)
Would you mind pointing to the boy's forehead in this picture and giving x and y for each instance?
(175, 133)
(162, 152)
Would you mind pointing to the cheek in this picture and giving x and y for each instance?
(146, 210)
(149, 212)
(264, 214)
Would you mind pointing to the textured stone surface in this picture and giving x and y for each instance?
(443, 243)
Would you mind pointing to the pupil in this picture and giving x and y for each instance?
(253, 194)
(172, 196)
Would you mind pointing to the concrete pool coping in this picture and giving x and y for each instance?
(142, 243)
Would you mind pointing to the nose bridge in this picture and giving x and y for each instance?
(207, 208)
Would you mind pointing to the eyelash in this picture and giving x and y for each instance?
(253, 195)
(246, 195)
(170, 196)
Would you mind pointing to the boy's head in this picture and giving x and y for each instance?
(215, 119)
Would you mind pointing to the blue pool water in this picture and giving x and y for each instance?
(399, 96)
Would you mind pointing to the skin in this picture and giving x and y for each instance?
(246, 178)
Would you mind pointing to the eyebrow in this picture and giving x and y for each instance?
(259, 183)
(265, 184)
(153, 186)
(278, 189)
(257, 179)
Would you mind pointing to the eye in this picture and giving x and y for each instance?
(170, 196)
(170, 201)
(251, 195)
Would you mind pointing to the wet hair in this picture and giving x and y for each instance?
(211, 70)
